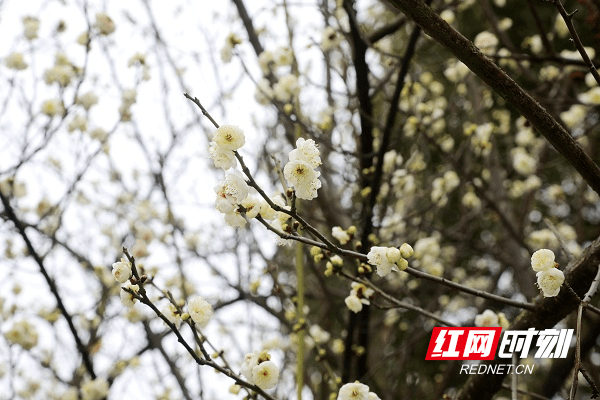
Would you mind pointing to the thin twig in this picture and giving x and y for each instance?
(568, 18)
(396, 302)
(577, 368)
(475, 292)
(593, 287)
(204, 112)
(561, 240)
(85, 355)
(577, 365)
(142, 296)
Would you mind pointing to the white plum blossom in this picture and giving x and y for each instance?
(359, 295)
(79, 122)
(386, 258)
(15, 61)
(575, 55)
(448, 15)
(127, 299)
(87, 100)
(592, 96)
(231, 41)
(470, 200)
(550, 281)
(265, 61)
(522, 162)
(252, 206)
(575, 115)
(303, 177)
(306, 150)
(390, 159)
(222, 158)
(266, 211)
(224, 205)
(456, 72)
(503, 321)
(229, 137)
(96, 389)
(265, 375)
(137, 59)
(487, 42)
(104, 24)
(444, 185)
(200, 311)
(83, 38)
(234, 189)
(226, 139)
(128, 99)
(250, 361)
(31, 25)
(286, 88)
(259, 370)
(172, 314)
(22, 333)
(378, 256)
(354, 391)
(264, 92)
(318, 334)
(341, 235)
(542, 260)
(283, 56)
(235, 219)
(487, 318)
(353, 303)
(330, 39)
(121, 270)
(298, 173)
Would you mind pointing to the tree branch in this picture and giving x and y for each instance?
(498, 80)
(85, 355)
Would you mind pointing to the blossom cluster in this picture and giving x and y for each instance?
(300, 170)
(330, 39)
(286, 87)
(343, 235)
(231, 193)
(128, 98)
(122, 272)
(549, 278)
(258, 369)
(428, 255)
(96, 389)
(22, 333)
(231, 42)
(225, 140)
(442, 186)
(356, 391)
(61, 72)
(387, 259)
(234, 197)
